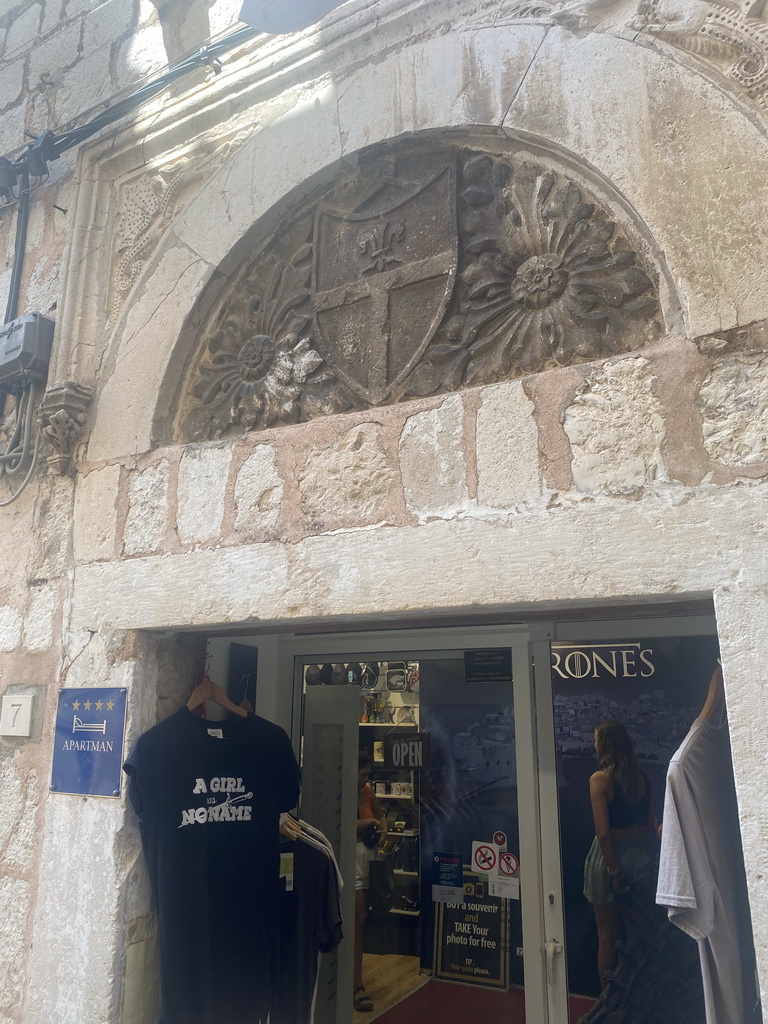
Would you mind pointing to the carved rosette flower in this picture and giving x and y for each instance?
(548, 280)
(420, 272)
(262, 366)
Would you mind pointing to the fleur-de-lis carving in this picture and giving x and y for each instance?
(377, 244)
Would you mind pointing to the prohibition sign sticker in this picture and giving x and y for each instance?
(508, 864)
(499, 838)
(484, 857)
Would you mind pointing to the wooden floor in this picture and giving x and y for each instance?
(388, 979)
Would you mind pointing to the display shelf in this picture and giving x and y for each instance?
(388, 725)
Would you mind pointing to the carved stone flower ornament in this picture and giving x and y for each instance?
(421, 271)
(258, 369)
(548, 277)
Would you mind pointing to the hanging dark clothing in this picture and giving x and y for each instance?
(310, 924)
(208, 796)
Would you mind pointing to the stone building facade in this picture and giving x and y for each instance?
(434, 312)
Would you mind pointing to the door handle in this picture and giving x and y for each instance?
(552, 949)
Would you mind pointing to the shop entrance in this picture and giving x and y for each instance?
(464, 756)
(475, 749)
(430, 738)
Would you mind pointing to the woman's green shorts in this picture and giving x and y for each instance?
(639, 863)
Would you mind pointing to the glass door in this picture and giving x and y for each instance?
(437, 822)
(616, 700)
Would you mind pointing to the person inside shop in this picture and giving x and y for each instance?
(622, 857)
(371, 831)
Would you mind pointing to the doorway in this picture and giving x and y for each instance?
(443, 730)
(491, 727)
(499, 779)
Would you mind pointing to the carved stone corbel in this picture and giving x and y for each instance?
(62, 412)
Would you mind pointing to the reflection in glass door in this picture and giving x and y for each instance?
(643, 696)
(469, 811)
(450, 887)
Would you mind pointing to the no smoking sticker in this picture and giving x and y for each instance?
(484, 857)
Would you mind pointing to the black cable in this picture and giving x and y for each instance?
(22, 220)
(205, 57)
(50, 146)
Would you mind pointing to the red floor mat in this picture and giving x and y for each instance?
(440, 1002)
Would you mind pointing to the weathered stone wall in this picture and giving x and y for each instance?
(637, 478)
(564, 439)
(60, 64)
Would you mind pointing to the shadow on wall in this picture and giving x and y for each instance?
(186, 25)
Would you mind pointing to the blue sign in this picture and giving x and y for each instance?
(88, 744)
(447, 878)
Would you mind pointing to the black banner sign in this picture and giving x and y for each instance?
(492, 665)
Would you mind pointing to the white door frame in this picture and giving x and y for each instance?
(448, 642)
(545, 980)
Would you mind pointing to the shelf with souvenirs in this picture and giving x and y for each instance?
(389, 702)
(400, 849)
(389, 693)
(389, 690)
(397, 872)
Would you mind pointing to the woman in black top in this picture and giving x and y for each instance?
(623, 853)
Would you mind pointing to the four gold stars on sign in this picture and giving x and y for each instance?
(98, 705)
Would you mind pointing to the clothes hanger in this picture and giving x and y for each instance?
(289, 827)
(245, 702)
(208, 690)
(715, 694)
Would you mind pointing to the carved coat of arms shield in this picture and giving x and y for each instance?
(383, 277)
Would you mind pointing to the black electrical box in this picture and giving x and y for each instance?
(25, 351)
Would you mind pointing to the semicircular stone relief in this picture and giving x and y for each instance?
(419, 273)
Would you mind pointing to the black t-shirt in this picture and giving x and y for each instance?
(208, 796)
(310, 924)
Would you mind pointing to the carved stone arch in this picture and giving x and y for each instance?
(681, 175)
(419, 267)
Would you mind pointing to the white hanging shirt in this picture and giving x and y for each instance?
(701, 872)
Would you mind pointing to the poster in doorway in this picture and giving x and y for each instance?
(656, 688)
(470, 791)
(471, 937)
